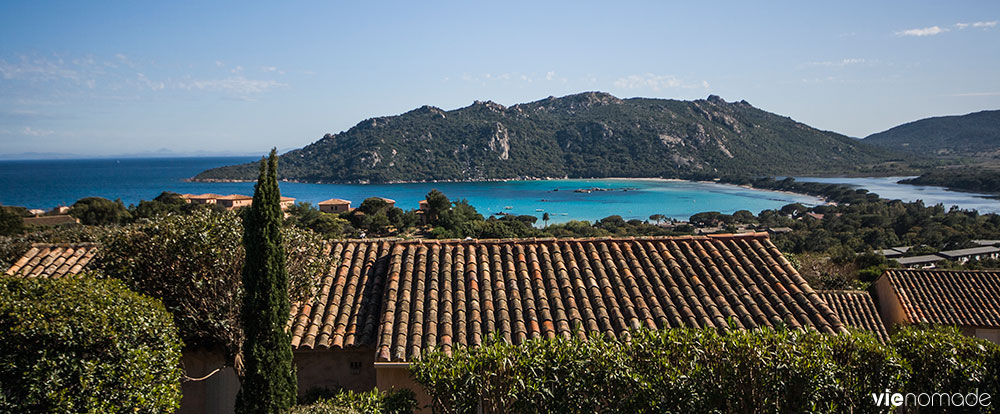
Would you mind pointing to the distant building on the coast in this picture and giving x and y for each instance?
(335, 206)
(894, 252)
(389, 201)
(779, 230)
(232, 201)
(200, 198)
(976, 253)
(927, 261)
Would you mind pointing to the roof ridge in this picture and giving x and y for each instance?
(65, 244)
(943, 270)
(851, 291)
(725, 236)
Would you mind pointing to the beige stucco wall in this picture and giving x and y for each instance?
(334, 208)
(215, 394)
(992, 335)
(333, 369)
(890, 309)
(330, 369)
(397, 376)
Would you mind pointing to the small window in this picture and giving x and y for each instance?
(356, 367)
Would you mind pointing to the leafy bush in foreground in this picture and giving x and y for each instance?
(941, 359)
(370, 402)
(683, 370)
(85, 346)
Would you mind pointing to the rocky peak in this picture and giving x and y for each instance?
(716, 99)
(428, 110)
(488, 105)
(578, 101)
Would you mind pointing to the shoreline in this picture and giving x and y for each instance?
(822, 200)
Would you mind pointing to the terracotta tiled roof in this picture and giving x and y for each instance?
(345, 310)
(948, 297)
(54, 260)
(856, 309)
(334, 201)
(404, 297)
(208, 196)
(57, 220)
(234, 197)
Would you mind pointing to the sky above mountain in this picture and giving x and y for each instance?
(107, 78)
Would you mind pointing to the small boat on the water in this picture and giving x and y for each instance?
(508, 207)
(539, 210)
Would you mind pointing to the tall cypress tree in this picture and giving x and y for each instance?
(269, 382)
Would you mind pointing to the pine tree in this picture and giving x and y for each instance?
(269, 382)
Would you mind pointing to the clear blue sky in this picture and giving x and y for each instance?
(103, 78)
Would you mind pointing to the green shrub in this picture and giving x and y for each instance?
(85, 346)
(370, 402)
(941, 359)
(675, 370)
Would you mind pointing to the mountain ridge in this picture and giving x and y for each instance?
(974, 134)
(584, 135)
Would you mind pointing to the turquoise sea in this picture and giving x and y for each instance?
(48, 183)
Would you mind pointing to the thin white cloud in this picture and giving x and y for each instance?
(927, 31)
(236, 85)
(31, 132)
(975, 94)
(37, 69)
(838, 63)
(936, 30)
(976, 25)
(654, 82)
(116, 78)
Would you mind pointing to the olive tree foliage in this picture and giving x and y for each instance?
(99, 211)
(193, 263)
(11, 221)
(85, 346)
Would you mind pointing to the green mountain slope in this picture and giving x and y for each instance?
(975, 134)
(590, 134)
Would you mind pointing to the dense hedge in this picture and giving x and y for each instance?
(85, 346)
(192, 262)
(371, 402)
(761, 371)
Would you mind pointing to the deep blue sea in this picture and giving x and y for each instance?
(46, 184)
